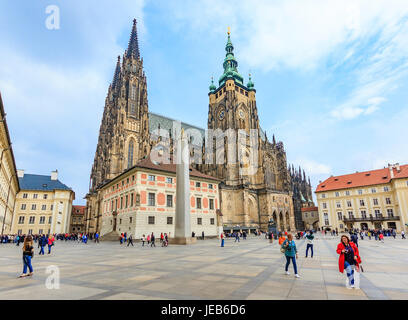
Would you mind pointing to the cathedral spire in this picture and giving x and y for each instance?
(230, 64)
(116, 74)
(133, 47)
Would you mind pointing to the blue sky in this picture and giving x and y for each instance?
(331, 76)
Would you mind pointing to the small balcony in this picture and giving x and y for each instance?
(378, 217)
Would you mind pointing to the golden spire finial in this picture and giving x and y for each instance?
(229, 31)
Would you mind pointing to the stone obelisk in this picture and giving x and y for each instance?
(182, 233)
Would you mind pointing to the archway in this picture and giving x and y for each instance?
(281, 222)
(287, 221)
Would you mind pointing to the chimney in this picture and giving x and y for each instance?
(20, 173)
(391, 167)
(54, 175)
(398, 167)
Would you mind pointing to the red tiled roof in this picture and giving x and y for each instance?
(307, 209)
(171, 167)
(361, 179)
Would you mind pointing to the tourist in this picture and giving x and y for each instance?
(42, 242)
(121, 238)
(202, 234)
(354, 238)
(381, 237)
(152, 240)
(222, 239)
(309, 238)
(161, 238)
(236, 237)
(148, 239)
(349, 260)
(403, 234)
(51, 240)
(290, 254)
(130, 240)
(28, 251)
(244, 235)
(143, 239)
(281, 239)
(18, 240)
(96, 237)
(166, 240)
(394, 234)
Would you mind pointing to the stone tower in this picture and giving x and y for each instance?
(255, 181)
(124, 131)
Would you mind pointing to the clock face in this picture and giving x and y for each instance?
(221, 115)
(241, 114)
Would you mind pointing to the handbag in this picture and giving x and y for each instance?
(283, 250)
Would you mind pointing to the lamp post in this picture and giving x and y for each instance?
(5, 207)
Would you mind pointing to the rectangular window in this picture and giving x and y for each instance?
(151, 177)
(44, 207)
(386, 189)
(198, 203)
(169, 200)
(121, 202)
(133, 92)
(21, 219)
(42, 219)
(40, 231)
(23, 206)
(211, 204)
(169, 180)
(49, 220)
(32, 220)
(151, 220)
(362, 204)
(338, 204)
(388, 200)
(33, 207)
(337, 194)
(152, 199)
(390, 212)
(363, 214)
(169, 220)
(212, 221)
(45, 196)
(324, 205)
(347, 193)
(340, 215)
(375, 202)
(198, 184)
(323, 196)
(25, 195)
(360, 192)
(127, 180)
(199, 221)
(131, 199)
(130, 219)
(377, 213)
(349, 204)
(30, 231)
(52, 207)
(126, 201)
(35, 195)
(373, 190)
(350, 214)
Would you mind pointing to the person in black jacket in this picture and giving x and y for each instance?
(152, 239)
(42, 242)
(130, 241)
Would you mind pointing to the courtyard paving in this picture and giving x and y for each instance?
(251, 269)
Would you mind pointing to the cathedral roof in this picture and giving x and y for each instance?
(133, 47)
(167, 123)
(170, 167)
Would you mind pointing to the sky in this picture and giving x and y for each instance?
(331, 76)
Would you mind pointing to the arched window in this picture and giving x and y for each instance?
(130, 154)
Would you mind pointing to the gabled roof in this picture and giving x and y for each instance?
(41, 183)
(362, 179)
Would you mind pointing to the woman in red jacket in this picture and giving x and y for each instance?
(349, 259)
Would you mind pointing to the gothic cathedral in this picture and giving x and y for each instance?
(249, 200)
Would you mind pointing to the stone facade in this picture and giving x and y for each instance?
(373, 199)
(9, 185)
(43, 205)
(77, 223)
(142, 200)
(129, 133)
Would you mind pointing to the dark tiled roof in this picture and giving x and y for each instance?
(171, 167)
(39, 182)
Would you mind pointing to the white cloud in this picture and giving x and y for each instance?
(312, 167)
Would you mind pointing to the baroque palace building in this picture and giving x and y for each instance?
(248, 200)
(9, 184)
(376, 199)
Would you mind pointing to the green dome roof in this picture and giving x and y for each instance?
(212, 86)
(250, 84)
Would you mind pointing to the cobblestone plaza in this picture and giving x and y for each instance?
(250, 269)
